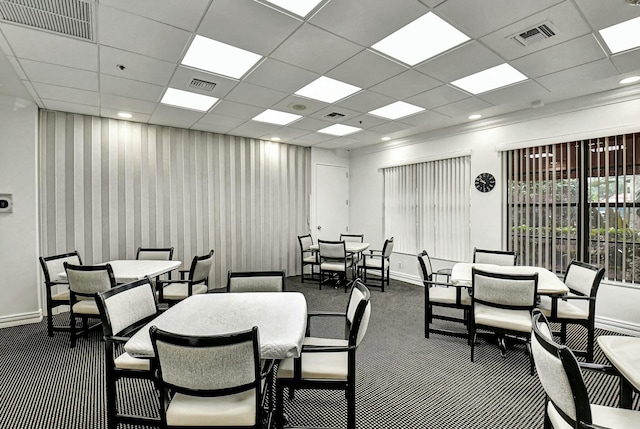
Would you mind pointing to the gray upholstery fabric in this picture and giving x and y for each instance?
(306, 242)
(128, 307)
(364, 324)
(354, 300)
(203, 268)
(494, 258)
(504, 291)
(56, 266)
(388, 249)
(580, 279)
(88, 282)
(255, 284)
(335, 251)
(427, 264)
(154, 255)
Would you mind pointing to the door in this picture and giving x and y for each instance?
(332, 201)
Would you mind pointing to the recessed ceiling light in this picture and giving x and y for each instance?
(421, 39)
(339, 130)
(476, 116)
(299, 7)
(125, 115)
(385, 138)
(276, 117)
(275, 139)
(327, 90)
(217, 57)
(486, 80)
(188, 100)
(630, 79)
(623, 36)
(396, 110)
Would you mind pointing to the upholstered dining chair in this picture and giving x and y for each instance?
(84, 282)
(209, 381)
(502, 304)
(255, 281)
(308, 257)
(328, 363)
(57, 291)
(378, 261)
(124, 310)
(353, 238)
(437, 294)
(583, 281)
(567, 403)
(156, 254)
(496, 257)
(197, 281)
(334, 262)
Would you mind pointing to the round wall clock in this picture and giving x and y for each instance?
(485, 182)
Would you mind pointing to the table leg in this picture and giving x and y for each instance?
(626, 393)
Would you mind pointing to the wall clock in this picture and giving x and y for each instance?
(485, 182)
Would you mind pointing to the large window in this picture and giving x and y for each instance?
(577, 200)
(426, 206)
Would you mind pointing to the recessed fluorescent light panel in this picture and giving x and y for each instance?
(299, 7)
(396, 110)
(421, 39)
(188, 100)
(486, 80)
(623, 36)
(339, 130)
(327, 90)
(217, 57)
(276, 117)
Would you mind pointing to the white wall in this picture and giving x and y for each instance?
(19, 252)
(617, 305)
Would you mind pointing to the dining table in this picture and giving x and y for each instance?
(623, 352)
(350, 247)
(130, 270)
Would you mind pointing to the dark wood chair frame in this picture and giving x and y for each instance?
(244, 274)
(500, 332)
(112, 342)
(50, 283)
(308, 252)
(496, 252)
(184, 278)
(349, 386)
(339, 276)
(363, 268)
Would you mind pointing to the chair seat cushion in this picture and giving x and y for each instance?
(447, 295)
(514, 320)
(610, 417)
(334, 266)
(566, 310)
(179, 291)
(232, 410)
(86, 306)
(375, 263)
(319, 341)
(61, 296)
(324, 366)
(126, 361)
(310, 260)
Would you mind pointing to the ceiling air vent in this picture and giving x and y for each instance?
(202, 85)
(536, 34)
(334, 115)
(67, 17)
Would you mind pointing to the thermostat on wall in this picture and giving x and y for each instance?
(6, 203)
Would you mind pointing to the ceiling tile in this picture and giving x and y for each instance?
(294, 104)
(365, 121)
(141, 35)
(603, 14)
(126, 104)
(310, 124)
(281, 76)
(304, 48)
(183, 76)
(137, 67)
(579, 76)
(60, 75)
(69, 95)
(525, 91)
(213, 118)
(285, 134)
(210, 128)
(628, 61)
(71, 107)
(463, 107)
(261, 29)
(365, 101)
(174, 117)
(322, 114)
(367, 21)
(378, 69)
(254, 95)
(238, 110)
(171, 12)
(439, 96)
(460, 62)
(389, 127)
(130, 88)
(106, 112)
(405, 85)
(578, 51)
(17, 68)
(425, 118)
(254, 129)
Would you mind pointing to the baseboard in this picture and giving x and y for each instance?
(619, 326)
(407, 278)
(20, 319)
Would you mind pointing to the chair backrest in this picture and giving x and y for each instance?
(332, 249)
(496, 257)
(354, 238)
(426, 269)
(155, 253)
(87, 280)
(126, 308)
(358, 312)
(54, 265)
(305, 242)
(200, 268)
(255, 281)
(583, 279)
(387, 249)
(215, 365)
(513, 291)
(560, 376)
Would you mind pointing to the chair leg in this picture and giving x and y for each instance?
(302, 276)
(590, 341)
(49, 322)
(473, 344)
(563, 333)
(351, 406)
(531, 363)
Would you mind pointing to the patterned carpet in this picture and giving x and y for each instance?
(404, 380)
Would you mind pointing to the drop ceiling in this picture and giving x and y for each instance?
(130, 52)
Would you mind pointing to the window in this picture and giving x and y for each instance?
(577, 200)
(426, 206)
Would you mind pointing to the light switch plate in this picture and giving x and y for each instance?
(6, 203)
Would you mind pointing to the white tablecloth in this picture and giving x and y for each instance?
(130, 270)
(281, 318)
(548, 282)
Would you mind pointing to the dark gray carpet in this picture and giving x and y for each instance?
(404, 380)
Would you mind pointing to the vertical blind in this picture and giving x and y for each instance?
(426, 206)
(109, 186)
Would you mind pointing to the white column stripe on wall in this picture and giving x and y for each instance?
(109, 186)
